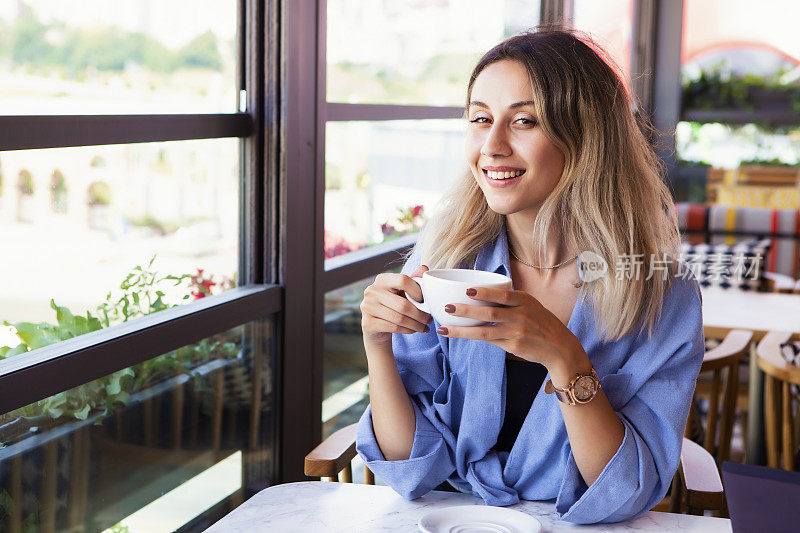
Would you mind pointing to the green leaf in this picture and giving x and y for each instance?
(7, 351)
(66, 320)
(83, 413)
(123, 398)
(92, 323)
(35, 336)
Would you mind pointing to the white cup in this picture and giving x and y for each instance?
(449, 286)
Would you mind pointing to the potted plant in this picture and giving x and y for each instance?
(98, 202)
(717, 88)
(58, 192)
(25, 203)
(406, 221)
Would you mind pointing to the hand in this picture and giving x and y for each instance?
(385, 309)
(524, 327)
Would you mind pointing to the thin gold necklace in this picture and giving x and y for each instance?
(537, 266)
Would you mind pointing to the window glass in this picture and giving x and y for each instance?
(740, 36)
(77, 224)
(609, 23)
(383, 179)
(62, 57)
(148, 448)
(740, 62)
(345, 378)
(414, 51)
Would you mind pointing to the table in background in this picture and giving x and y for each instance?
(759, 312)
(323, 506)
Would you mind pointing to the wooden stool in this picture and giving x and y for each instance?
(780, 405)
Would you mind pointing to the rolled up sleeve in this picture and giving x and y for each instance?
(423, 368)
(653, 407)
(428, 465)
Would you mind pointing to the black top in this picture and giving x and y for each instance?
(523, 381)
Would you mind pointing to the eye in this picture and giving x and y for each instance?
(479, 119)
(527, 121)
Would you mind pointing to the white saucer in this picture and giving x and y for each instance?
(478, 519)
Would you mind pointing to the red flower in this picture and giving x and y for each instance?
(417, 210)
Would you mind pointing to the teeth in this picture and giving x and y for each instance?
(503, 175)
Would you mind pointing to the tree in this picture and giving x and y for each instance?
(202, 51)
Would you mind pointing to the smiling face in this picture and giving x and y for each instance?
(504, 140)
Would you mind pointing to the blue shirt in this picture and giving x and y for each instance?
(457, 388)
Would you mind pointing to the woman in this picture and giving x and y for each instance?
(558, 166)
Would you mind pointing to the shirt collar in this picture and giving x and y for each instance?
(493, 256)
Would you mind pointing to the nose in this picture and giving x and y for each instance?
(496, 142)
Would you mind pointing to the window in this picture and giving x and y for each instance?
(396, 84)
(137, 317)
(609, 23)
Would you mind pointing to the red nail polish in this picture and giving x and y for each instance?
(449, 308)
(442, 330)
(471, 292)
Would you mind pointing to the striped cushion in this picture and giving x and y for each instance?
(740, 266)
(699, 220)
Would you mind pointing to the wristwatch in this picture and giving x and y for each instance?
(581, 389)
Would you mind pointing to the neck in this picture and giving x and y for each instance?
(519, 230)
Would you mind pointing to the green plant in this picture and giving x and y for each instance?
(7, 505)
(25, 182)
(58, 183)
(406, 221)
(717, 87)
(99, 193)
(58, 192)
(774, 162)
(141, 293)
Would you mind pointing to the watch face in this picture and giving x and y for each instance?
(584, 388)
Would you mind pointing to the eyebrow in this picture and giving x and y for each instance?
(512, 106)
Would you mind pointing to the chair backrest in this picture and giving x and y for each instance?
(723, 359)
(697, 486)
(780, 403)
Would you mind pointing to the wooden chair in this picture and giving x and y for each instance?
(697, 486)
(334, 455)
(781, 410)
(722, 401)
(781, 283)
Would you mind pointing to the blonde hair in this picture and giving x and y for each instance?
(610, 199)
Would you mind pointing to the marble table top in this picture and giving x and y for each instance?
(324, 506)
(759, 312)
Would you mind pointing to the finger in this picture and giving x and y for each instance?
(410, 287)
(419, 271)
(385, 325)
(481, 333)
(501, 296)
(402, 305)
(487, 313)
(400, 283)
(396, 317)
